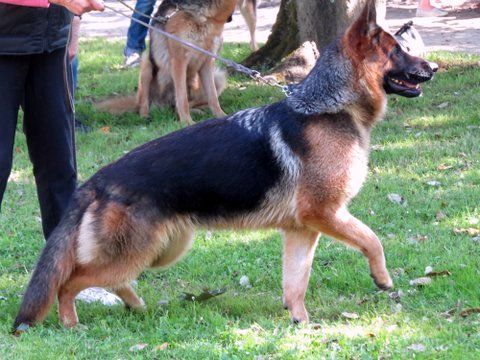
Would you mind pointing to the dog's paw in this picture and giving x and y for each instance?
(384, 285)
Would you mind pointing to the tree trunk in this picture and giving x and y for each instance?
(298, 21)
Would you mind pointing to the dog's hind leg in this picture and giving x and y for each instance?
(249, 12)
(66, 299)
(207, 76)
(298, 252)
(129, 297)
(340, 224)
(179, 75)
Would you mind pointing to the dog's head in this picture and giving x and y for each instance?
(379, 60)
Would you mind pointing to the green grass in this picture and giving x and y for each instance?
(416, 137)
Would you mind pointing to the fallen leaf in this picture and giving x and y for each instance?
(421, 281)
(469, 231)
(245, 282)
(449, 313)
(443, 167)
(440, 215)
(162, 303)
(442, 105)
(466, 312)
(473, 221)
(417, 347)
(205, 295)
(433, 183)
(106, 129)
(138, 347)
(18, 150)
(396, 295)
(438, 273)
(417, 239)
(162, 347)
(350, 315)
(395, 198)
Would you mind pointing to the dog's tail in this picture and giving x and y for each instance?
(53, 269)
(118, 105)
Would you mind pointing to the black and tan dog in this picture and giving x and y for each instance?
(292, 165)
(172, 74)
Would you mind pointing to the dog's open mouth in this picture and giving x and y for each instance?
(397, 85)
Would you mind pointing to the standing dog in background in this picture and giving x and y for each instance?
(172, 74)
(293, 165)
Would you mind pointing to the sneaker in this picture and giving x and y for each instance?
(433, 12)
(132, 60)
(98, 294)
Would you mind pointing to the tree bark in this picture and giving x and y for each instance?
(298, 21)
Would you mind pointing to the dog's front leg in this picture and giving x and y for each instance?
(298, 252)
(340, 224)
(143, 93)
(208, 83)
(179, 75)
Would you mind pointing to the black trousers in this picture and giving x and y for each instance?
(41, 83)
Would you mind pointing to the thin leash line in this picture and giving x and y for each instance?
(229, 63)
(162, 19)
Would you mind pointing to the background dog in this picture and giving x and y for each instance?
(172, 74)
(292, 165)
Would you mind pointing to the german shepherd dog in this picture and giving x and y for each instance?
(172, 74)
(292, 165)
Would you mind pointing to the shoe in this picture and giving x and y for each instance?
(434, 12)
(132, 60)
(98, 294)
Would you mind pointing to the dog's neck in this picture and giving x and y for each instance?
(331, 87)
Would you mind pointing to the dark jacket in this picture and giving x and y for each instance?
(28, 30)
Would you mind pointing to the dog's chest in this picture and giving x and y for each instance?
(335, 165)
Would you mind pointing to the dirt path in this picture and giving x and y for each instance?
(459, 31)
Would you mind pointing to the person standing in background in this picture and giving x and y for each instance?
(426, 9)
(137, 33)
(33, 72)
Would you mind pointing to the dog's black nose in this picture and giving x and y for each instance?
(433, 66)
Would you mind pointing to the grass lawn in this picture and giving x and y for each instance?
(427, 150)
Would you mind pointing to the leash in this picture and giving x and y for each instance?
(254, 74)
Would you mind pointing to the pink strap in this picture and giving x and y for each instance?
(32, 3)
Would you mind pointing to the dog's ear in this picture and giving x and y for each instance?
(366, 23)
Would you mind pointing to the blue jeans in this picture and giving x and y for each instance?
(74, 65)
(136, 32)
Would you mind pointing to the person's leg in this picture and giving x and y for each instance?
(13, 70)
(48, 125)
(426, 9)
(136, 32)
